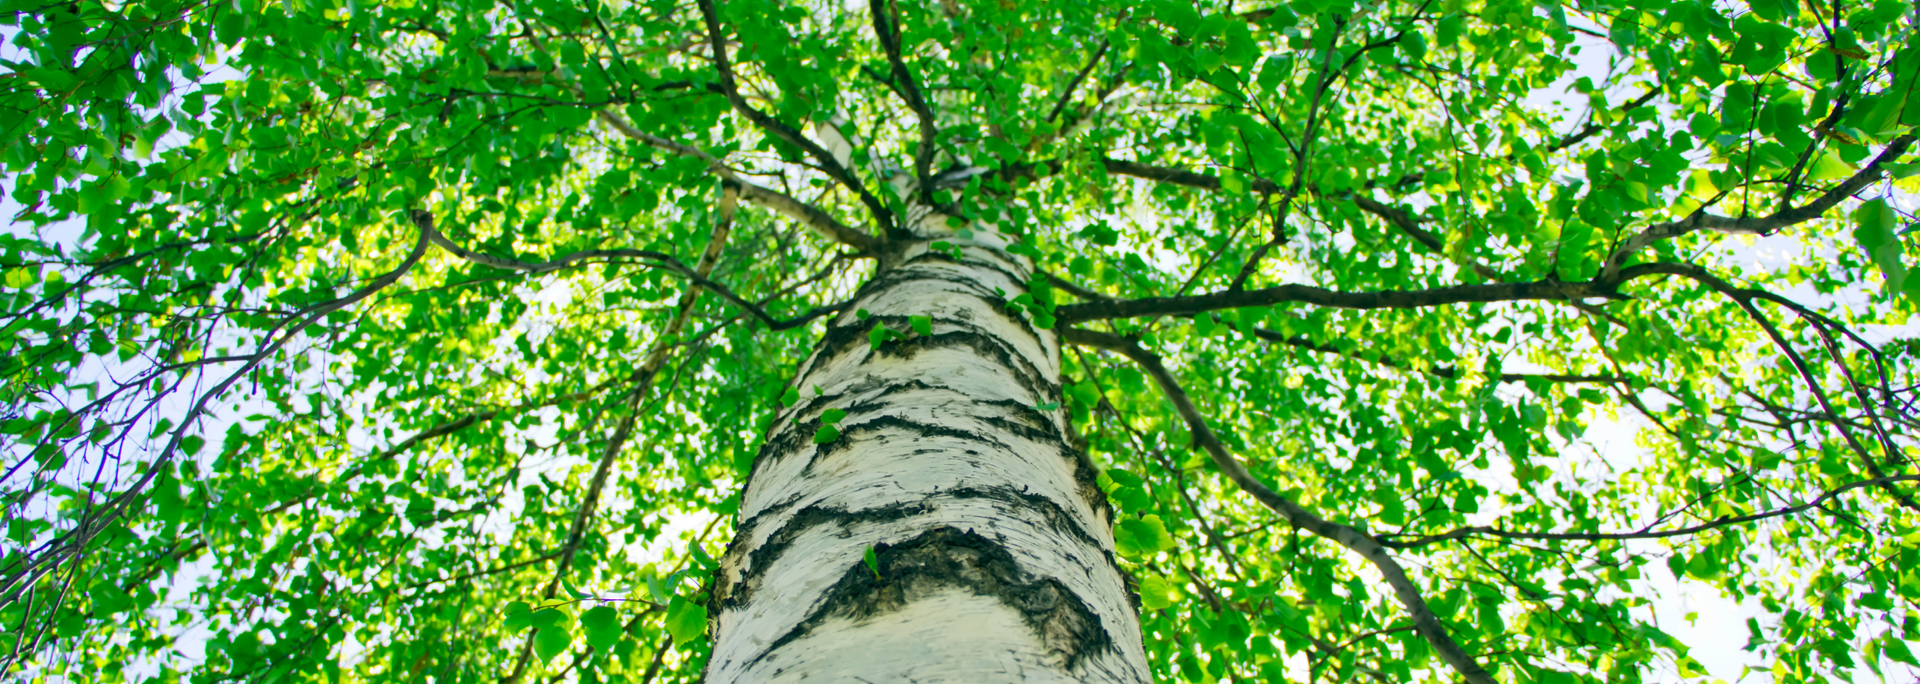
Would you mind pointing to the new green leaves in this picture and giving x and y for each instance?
(1082, 397)
(829, 426)
(686, 620)
(873, 562)
(881, 334)
(1129, 491)
(1037, 301)
(1874, 230)
(602, 627)
(1157, 593)
(551, 619)
(1138, 538)
(551, 641)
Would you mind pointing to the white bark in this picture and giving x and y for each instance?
(994, 543)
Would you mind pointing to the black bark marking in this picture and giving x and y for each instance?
(1031, 424)
(1085, 475)
(947, 557)
(790, 436)
(992, 347)
(1057, 517)
(1031, 378)
(899, 276)
(727, 595)
(920, 430)
(963, 262)
(743, 529)
(837, 339)
(906, 274)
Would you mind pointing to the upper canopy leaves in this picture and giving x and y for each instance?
(358, 341)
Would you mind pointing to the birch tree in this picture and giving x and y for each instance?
(967, 340)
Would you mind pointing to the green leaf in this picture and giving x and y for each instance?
(881, 334)
(56, 80)
(1874, 224)
(826, 434)
(1086, 393)
(109, 601)
(832, 416)
(547, 618)
(1132, 499)
(1157, 593)
(790, 397)
(517, 616)
(873, 562)
(20, 278)
(602, 627)
(1896, 650)
(686, 620)
(551, 641)
(700, 556)
(1233, 183)
(921, 324)
(1141, 537)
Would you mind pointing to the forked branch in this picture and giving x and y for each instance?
(663, 345)
(24, 570)
(781, 203)
(908, 87)
(1760, 225)
(1424, 621)
(694, 276)
(730, 88)
(1398, 218)
(1744, 298)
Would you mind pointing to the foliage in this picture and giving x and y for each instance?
(345, 341)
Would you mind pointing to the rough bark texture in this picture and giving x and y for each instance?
(994, 544)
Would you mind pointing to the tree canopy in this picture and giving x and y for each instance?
(351, 341)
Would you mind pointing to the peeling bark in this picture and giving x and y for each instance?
(994, 544)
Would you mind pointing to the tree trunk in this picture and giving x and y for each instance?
(993, 543)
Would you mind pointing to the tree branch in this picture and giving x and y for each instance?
(1449, 372)
(1722, 521)
(623, 431)
(27, 568)
(1079, 78)
(731, 89)
(1743, 297)
(1398, 218)
(1424, 621)
(661, 261)
(1765, 225)
(1547, 290)
(808, 215)
(1301, 153)
(1592, 128)
(1075, 289)
(909, 90)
